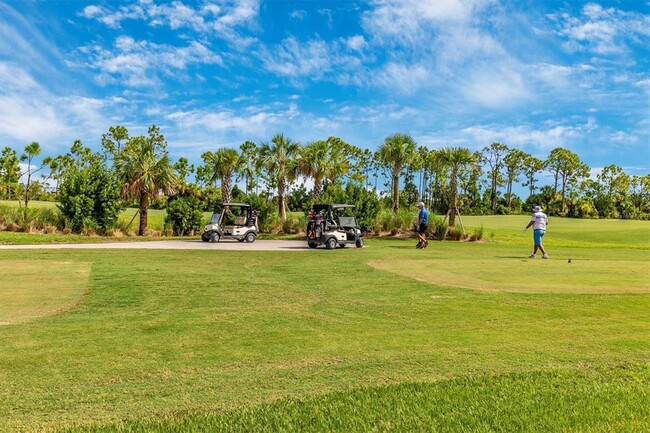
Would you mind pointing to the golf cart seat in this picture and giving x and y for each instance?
(240, 221)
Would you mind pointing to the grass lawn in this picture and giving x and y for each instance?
(457, 337)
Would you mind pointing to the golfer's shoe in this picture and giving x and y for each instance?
(532, 256)
(419, 246)
(545, 256)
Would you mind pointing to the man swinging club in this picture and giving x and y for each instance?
(539, 221)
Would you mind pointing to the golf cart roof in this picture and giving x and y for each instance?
(236, 204)
(333, 206)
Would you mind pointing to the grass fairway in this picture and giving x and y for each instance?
(33, 289)
(499, 274)
(321, 340)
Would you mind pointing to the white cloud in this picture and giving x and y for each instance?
(298, 14)
(356, 43)
(137, 63)
(405, 79)
(29, 112)
(256, 122)
(295, 59)
(409, 21)
(603, 31)
(522, 136)
(220, 17)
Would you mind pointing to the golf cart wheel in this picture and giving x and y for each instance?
(359, 243)
(250, 237)
(205, 237)
(214, 237)
(312, 244)
(331, 244)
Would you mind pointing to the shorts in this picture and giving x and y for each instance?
(538, 235)
(422, 228)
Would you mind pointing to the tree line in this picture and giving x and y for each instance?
(92, 187)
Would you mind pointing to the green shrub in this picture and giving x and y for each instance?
(401, 221)
(89, 197)
(477, 234)
(184, 215)
(454, 234)
(438, 226)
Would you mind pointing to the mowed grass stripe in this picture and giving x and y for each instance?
(527, 275)
(33, 289)
(574, 400)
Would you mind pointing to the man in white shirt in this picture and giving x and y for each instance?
(539, 221)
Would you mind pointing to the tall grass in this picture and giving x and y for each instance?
(393, 223)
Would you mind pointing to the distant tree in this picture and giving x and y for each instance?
(31, 151)
(248, 170)
(397, 151)
(145, 171)
(278, 160)
(113, 141)
(455, 159)
(223, 164)
(313, 162)
(531, 166)
(493, 155)
(9, 173)
(513, 163)
(89, 195)
(567, 171)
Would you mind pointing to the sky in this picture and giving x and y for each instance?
(530, 74)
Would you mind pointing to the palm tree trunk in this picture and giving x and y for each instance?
(281, 207)
(395, 192)
(225, 189)
(316, 192)
(453, 200)
(144, 210)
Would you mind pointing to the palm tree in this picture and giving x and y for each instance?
(223, 164)
(145, 170)
(249, 153)
(312, 160)
(397, 151)
(278, 159)
(455, 158)
(338, 159)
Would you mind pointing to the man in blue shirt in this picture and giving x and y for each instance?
(422, 226)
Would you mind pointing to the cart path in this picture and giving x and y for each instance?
(258, 245)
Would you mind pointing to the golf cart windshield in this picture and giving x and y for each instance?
(214, 219)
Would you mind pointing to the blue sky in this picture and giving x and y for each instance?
(531, 74)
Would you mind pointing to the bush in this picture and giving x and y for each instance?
(90, 198)
(438, 227)
(184, 215)
(395, 222)
(477, 234)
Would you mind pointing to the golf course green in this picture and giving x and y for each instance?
(461, 336)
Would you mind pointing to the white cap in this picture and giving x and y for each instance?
(537, 209)
(420, 204)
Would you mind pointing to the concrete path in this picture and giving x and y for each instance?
(258, 245)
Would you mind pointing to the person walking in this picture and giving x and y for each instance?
(539, 221)
(422, 226)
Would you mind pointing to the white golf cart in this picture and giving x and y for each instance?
(331, 225)
(232, 221)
